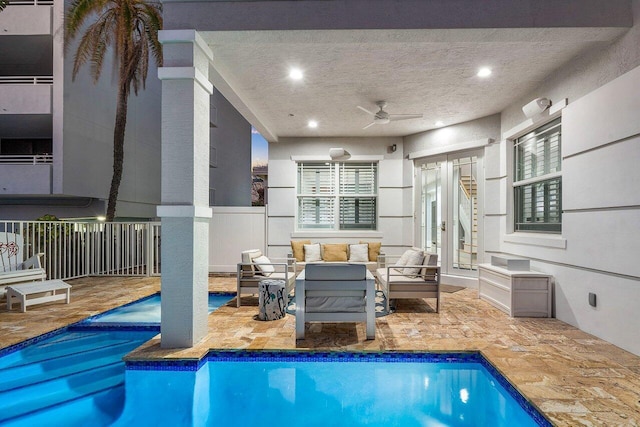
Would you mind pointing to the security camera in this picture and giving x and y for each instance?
(535, 107)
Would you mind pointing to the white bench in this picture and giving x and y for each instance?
(19, 293)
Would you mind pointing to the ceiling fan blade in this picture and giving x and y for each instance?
(369, 125)
(395, 117)
(366, 111)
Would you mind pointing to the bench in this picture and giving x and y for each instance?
(19, 293)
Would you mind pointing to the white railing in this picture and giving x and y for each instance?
(30, 3)
(78, 249)
(26, 80)
(26, 159)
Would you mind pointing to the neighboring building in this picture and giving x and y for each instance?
(56, 136)
(554, 188)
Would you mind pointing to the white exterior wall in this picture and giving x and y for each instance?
(395, 194)
(234, 229)
(597, 249)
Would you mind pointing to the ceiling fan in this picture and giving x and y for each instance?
(382, 117)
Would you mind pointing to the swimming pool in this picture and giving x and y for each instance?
(146, 311)
(247, 388)
(76, 375)
(69, 377)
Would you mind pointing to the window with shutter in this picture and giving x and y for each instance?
(339, 196)
(538, 180)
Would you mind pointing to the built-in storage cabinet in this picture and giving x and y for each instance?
(519, 293)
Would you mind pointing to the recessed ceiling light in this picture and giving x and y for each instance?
(439, 123)
(295, 74)
(484, 72)
(312, 124)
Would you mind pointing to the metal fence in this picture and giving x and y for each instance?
(77, 249)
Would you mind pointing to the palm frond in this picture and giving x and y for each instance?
(3, 4)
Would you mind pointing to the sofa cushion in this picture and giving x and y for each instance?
(431, 260)
(404, 258)
(415, 258)
(297, 248)
(374, 250)
(248, 257)
(335, 304)
(334, 252)
(312, 252)
(335, 272)
(264, 265)
(359, 253)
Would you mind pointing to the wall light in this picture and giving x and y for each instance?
(439, 123)
(535, 107)
(312, 124)
(334, 153)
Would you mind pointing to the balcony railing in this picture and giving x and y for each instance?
(30, 3)
(26, 80)
(25, 159)
(78, 249)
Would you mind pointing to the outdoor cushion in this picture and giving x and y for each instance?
(297, 248)
(359, 253)
(374, 250)
(415, 258)
(404, 258)
(431, 260)
(312, 253)
(247, 258)
(334, 252)
(264, 265)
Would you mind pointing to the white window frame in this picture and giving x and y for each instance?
(551, 175)
(336, 194)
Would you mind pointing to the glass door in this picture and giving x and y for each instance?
(448, 210)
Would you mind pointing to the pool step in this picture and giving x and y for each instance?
(33, 373)
(45, 350)
(21, 401)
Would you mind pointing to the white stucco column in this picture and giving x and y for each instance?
(185, 210)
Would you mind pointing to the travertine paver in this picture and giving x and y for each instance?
(573, 377)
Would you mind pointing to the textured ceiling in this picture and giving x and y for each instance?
(432, 72)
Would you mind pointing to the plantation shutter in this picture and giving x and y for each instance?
(316, 183)
(358, 196)
(538, 180)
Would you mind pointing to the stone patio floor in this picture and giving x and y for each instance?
(574, 378)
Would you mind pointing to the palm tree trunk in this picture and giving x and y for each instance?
(118, 148)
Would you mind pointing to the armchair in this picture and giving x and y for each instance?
(256, 267)
(335, 293)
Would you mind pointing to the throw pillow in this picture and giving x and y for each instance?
(312, 253)
(359, 253)
(297, 248)
(404, 258)
(374, 250)
(334, 252)
(415, 259)
(264, 265)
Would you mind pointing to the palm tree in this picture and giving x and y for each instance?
(131, 28)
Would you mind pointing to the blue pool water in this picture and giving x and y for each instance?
(147, 310)
(327, 389)
(76, 377)
(73, 378)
